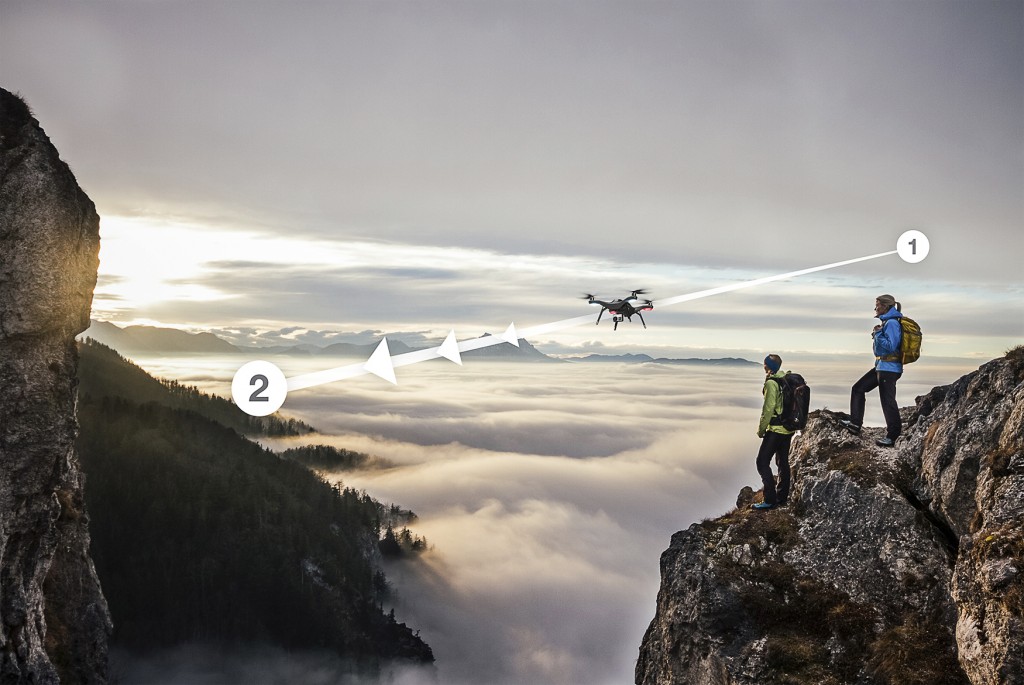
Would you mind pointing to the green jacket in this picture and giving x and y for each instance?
(772, 406)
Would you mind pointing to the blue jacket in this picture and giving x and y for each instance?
(887, 341)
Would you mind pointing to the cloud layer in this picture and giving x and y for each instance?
(548, 494)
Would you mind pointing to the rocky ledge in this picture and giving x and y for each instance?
(899, 565)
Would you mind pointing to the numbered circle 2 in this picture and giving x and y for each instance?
(259, 388)
(912, 246)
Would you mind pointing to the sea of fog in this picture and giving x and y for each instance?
(546, 491)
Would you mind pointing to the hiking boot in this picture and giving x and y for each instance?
(885, 442)
(850, 426)
(761, 506)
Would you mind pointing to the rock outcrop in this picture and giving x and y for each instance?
(54, 622)
(900, 565)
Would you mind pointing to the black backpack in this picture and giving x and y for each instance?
(796, 402)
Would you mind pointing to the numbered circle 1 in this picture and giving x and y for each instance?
(912, 246)
(259, 388)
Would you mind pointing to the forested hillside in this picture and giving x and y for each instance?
(327, 458)
(104, 372)
(202, 535)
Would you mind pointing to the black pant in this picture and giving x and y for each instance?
(777, 445)
(885, 381)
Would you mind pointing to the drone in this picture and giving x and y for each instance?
(624, 308)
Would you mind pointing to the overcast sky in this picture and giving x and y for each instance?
(656, 142)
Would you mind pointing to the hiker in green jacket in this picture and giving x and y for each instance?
(775, 439)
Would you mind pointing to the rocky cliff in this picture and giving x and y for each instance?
(53, 618)
(889, 566)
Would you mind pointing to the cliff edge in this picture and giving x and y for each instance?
(900, 565)
(53, 617)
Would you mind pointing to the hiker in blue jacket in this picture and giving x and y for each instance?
(886, 338)
(775, 438)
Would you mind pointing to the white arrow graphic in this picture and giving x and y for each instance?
(382, 364)
(450, 348)
(510, 336)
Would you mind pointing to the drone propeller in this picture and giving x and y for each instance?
(639, 291)
(588, 296)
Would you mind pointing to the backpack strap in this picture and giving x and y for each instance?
(776, 419)
(898, 355)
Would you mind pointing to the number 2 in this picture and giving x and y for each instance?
(256, 396)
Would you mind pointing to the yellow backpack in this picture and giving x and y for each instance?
(910, 342)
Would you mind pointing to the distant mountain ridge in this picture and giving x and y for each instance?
(134, 340)
(648, 359)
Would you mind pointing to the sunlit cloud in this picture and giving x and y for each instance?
(258, 289)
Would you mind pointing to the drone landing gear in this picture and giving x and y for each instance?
(642, 319)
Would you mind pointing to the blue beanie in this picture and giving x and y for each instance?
(772, 364)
